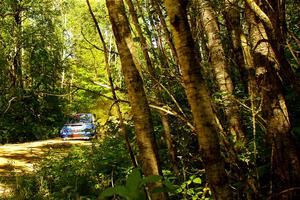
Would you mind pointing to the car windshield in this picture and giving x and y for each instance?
(81, 118)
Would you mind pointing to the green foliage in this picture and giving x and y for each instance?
(40, 118)
(81, 172)
(133, 189)
(194, 187)
(34, 110)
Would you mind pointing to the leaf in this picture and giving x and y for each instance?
(188, 182)
(197, 180)
(134, 180)
(192, 177)
(118, 190)
(195, 197)
(151, 179)
(141, 195)
(170, 186)
(122, 191)
(107, 193)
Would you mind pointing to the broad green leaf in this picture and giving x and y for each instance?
(134, 180)
(197, 180)
(139, 195)
(122, 191)
(151, 179)
(107, 193)
(118, 190)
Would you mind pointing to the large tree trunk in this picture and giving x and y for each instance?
(153, 76)
(272, 15)
(219, 65)
(111, 83)
(199, 100)
(139, 105)
(285, 172)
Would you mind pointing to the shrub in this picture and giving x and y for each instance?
(82, 172)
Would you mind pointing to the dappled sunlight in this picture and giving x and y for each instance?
(17, 159)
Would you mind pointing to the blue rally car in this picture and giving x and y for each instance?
(80, 126)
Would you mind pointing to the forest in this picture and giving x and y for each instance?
(196, 99)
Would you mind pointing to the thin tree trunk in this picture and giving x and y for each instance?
(143, 43)
(17, 59)
(169, 142)
(199, 100)
(139, 105)
(167, 34)
(232, 21)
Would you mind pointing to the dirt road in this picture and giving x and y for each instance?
(20, 158)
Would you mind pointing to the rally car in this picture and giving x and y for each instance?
(79, 126)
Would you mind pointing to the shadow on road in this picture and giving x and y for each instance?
(19, 159)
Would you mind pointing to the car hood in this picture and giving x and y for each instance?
(76, 124)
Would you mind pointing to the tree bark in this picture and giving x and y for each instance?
(17, 59)
(199, 100)
(143, 43)
(272, 16)
(139, 105)
(219, 65)
(153, 76)
(285, 172)
(167, 34)
(111, 83)
(232, 21)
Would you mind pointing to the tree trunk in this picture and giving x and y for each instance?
(17, 59)
(153, 76)
(111, 83)
(143, 43)
(219, 65)
(199, 100)
(169, 142)
(285, 172)
(139, 105)
(167, 34)
(232, 21)
(272, 15)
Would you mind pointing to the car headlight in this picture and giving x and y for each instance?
(64, 131)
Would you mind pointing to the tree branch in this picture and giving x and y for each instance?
(95, 46)
(167, 110)
(260, 13)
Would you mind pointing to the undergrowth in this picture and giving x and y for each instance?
(82, 173)
(101, 170)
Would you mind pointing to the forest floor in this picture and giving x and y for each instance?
(17, 159)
